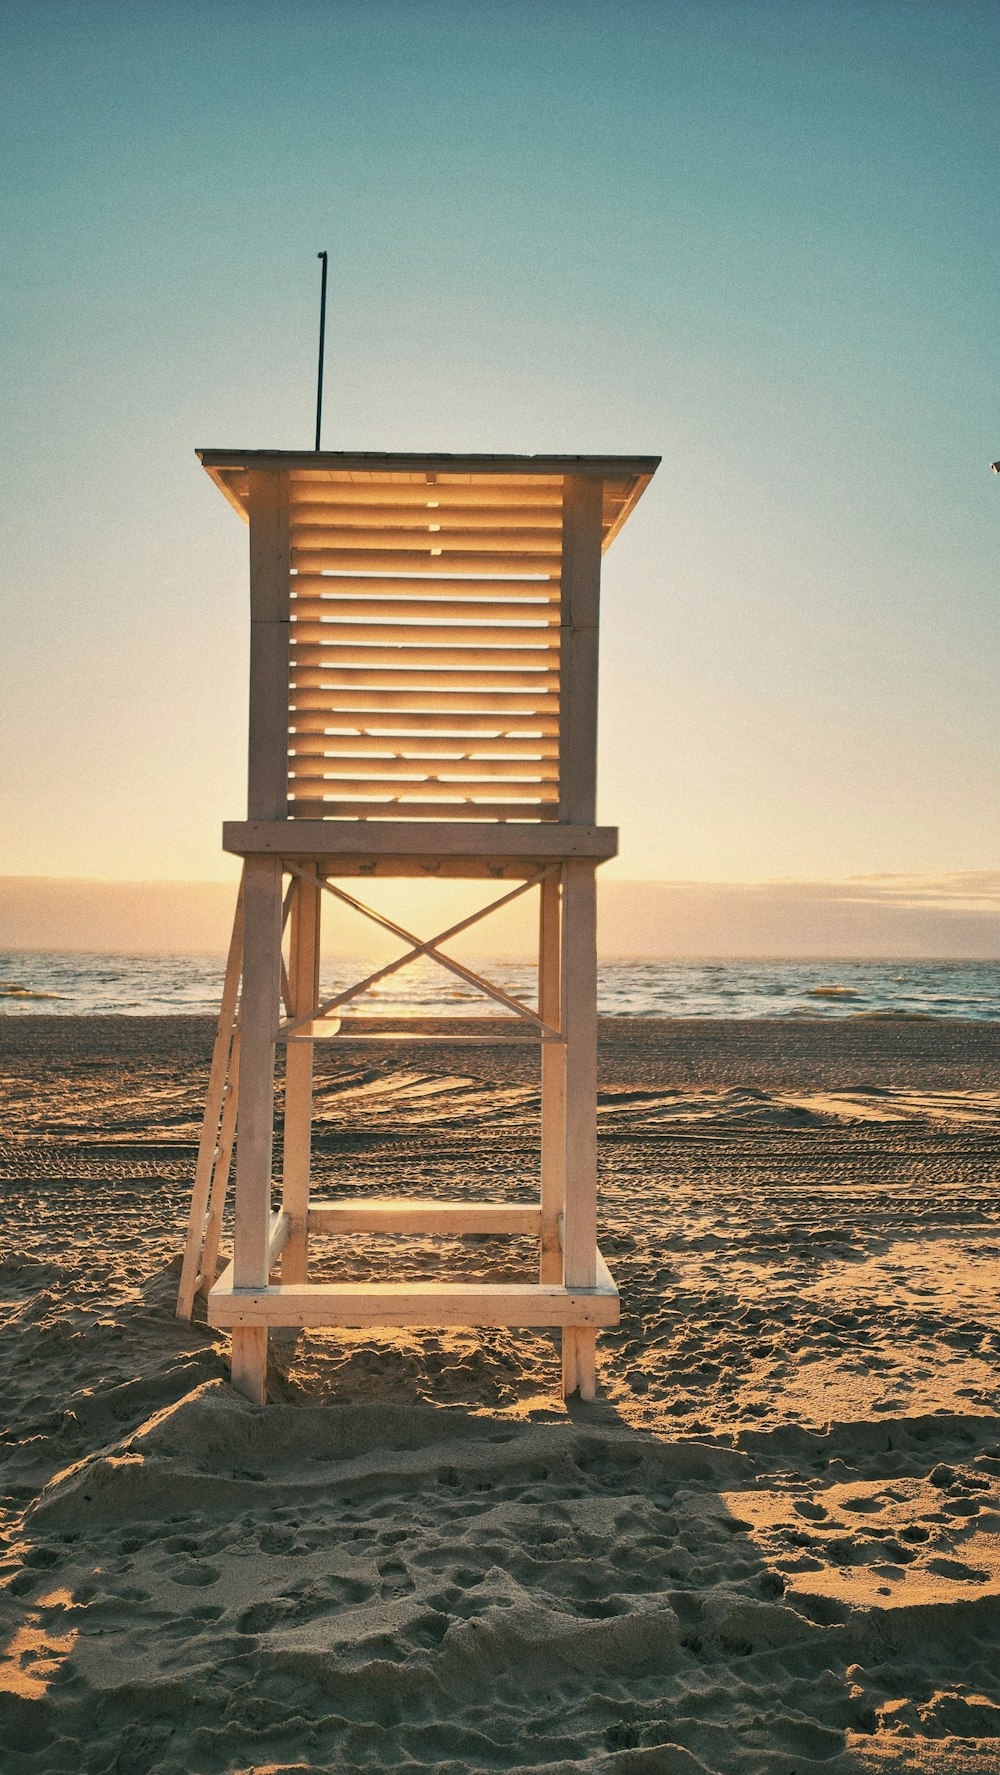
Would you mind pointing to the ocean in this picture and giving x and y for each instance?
(75, 983)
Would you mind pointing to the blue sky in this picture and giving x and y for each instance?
(758, 239)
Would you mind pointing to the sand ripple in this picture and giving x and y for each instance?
(771, 1548)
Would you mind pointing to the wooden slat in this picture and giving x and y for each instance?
(390, 679)
(305, 746)
(354, 514)
(411, 1303)
(409, 810)
(385, 634)
(377, 701)
(446, 559)
(397, 727)
(388, 1215)
(309, 537)
(455, 771)
(420, 788)
(495, 495)
(420, 585)
(330, 653)
(486, 610)
(417, 784)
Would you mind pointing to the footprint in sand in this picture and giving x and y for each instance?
(396, 1580)
(197, 1575)
(957, 1570)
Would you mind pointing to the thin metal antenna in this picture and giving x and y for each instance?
(322, 340)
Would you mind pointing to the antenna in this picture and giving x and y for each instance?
(322, 339)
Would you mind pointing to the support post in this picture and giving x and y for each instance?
(578, 641)
(579, 1023)
(258, 1023)
(304, 983)
(553, 1063)
(267, 799)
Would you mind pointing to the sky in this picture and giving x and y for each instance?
(755, 239)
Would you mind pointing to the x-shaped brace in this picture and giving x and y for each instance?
(429, 947)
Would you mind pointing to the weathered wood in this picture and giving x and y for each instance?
(342, 1030)
(462, 636)
(420, 513)
(192, 1264)
(324, 605)
(388, 1215)
(433, 558)
(411, 1303)
(258, 1024)
(297, 1142)
(430, 946)
(553, 1064)
(310, 538)
(579, 1027)
(424, 585)
(221, 1169)
(468, 663)
(329, 771)
(269, 645)
(483, 495)
(581, 582)
(579, 1361)
(346, 468)
(409, 605)
(320, 838)
(496, 679)
(248, 1361)
(444, 704)
(414, 807)
(389, 727)
(432, 747)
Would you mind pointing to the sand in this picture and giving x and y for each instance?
(771, 1547)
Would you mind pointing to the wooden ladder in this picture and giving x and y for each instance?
(218, 1130)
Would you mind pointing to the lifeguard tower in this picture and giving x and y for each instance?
(423, 701)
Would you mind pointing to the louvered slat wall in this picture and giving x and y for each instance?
(424, 678)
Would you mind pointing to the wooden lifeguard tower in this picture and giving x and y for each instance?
(423, 701)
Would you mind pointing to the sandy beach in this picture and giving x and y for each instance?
(771, 1547)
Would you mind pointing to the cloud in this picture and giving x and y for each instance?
(869, 916)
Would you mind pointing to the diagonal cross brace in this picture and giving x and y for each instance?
(428, 947)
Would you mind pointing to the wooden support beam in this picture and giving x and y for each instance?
(386, 1215)
(581, 586)
(220, 1173)
(258, 1024)
(579, 1027)
(297, 1141)
(193, 1264)
(269, 645)
(553, 1065)
(432, 838)
(411, 1303)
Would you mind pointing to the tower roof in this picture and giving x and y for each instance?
(498, 480)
